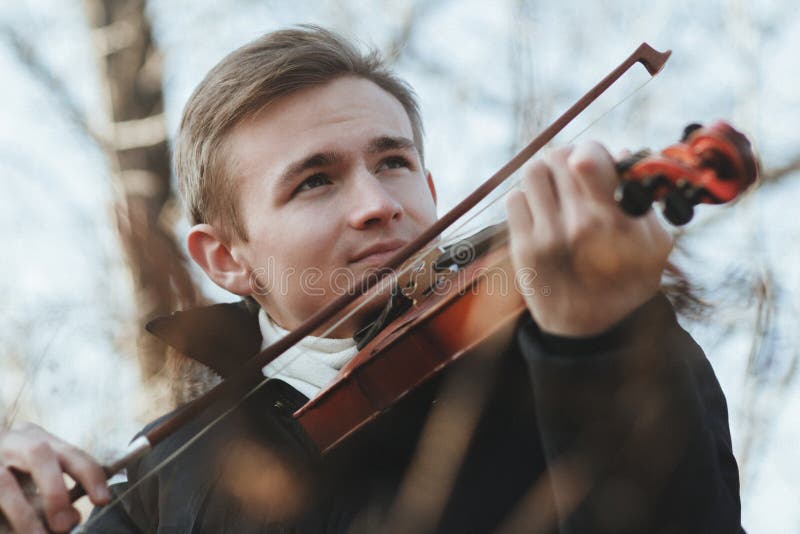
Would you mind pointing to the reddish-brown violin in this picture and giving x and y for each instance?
(454, 309)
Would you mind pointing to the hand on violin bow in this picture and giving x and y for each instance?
(594, 264)
(30, 456)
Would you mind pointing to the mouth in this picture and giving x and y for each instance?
(378, 253)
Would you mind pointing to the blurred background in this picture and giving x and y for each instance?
(92, 232)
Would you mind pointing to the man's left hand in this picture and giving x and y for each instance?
(594, 264)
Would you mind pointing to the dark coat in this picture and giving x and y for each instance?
(623, 432)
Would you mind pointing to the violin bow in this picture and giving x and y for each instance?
(249, 377)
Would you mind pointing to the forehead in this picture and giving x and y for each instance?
(342, 115)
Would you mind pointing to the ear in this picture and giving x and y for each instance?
(432, 187)
(211, 252)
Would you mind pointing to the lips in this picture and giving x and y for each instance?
(378, 252)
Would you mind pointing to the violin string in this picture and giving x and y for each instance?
(609, 110)
(497, 194)
(205, 429)
(514, 180)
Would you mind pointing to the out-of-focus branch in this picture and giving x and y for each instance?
(777, 174)
(130, 66)
(134, 140)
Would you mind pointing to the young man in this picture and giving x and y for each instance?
(297, 154)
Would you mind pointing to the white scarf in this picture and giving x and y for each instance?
(311, 365)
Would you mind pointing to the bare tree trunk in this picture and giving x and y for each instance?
(139, 155)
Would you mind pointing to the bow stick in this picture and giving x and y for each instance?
(249, 377)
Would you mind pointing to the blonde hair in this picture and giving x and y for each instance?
(244, 82)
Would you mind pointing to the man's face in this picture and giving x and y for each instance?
(330, 186)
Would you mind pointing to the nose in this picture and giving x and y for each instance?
(372, 204)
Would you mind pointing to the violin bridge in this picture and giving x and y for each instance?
(420, 275)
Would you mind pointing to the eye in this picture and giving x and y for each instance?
(394, 162)
(312, 182)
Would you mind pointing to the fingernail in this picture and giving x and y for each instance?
(102, 493)
(63, 520)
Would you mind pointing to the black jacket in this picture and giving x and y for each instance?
(623, 432)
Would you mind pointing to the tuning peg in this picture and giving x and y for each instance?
(633, 197)
(677, 208)
(687, 131)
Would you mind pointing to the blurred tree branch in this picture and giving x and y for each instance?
(133, 138)
(777, 174)
(130, 64)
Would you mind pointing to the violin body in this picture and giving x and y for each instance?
(464, 307)
(474, 308)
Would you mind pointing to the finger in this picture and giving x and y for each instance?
(571, 196)
(594, 170)
(659, 236)
(46, 472)
(542, 199)
(520, 226)
(18, 512)
(624, 154)
(520, 219)
(563, 178)
(86, 471)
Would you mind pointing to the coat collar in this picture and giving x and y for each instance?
(221, 336)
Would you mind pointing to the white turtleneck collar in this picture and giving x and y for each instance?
(309, 366)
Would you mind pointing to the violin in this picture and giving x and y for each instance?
(450, 307)
(441, 308)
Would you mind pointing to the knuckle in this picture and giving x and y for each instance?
(53, 492)
(583, 160)
(83, 466)
(558, 154)
(593, 146)
(40, 449)
(548, 247)
(79, 458)
(533, 171)
(73, 453)
(584, 231)
(53, 498)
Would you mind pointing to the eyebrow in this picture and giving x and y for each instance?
(385, 142)
(320, 159)
(323, 159)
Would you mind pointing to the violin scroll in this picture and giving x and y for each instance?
(710, 165)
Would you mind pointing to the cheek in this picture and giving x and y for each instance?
(419, 205)
(307, 241)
